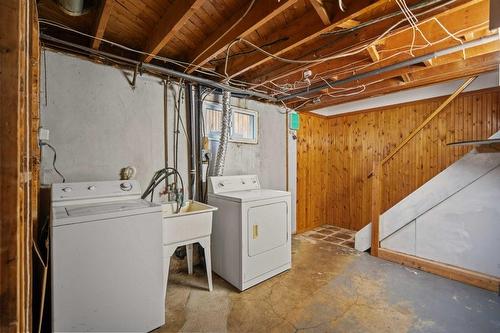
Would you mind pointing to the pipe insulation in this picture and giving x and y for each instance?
(227, 116)
(162, 70)
(406, 63)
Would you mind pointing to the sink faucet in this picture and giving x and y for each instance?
(179, 198)
(173, 192)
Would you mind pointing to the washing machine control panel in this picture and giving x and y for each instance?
(91, 190)
(222, 184)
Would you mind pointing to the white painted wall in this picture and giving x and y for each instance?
(463, 230)
(454, 218)
(484, 81)
(98, 125)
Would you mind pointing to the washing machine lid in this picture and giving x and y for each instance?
(70, 214)
(250, 195)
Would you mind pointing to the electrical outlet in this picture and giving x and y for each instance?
(43, 134)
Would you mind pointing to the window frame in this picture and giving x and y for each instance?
(218, 107)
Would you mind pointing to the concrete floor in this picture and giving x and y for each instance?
(332, 289)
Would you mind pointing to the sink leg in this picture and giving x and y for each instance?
(189, 252)
(168, 251)
(205, 243)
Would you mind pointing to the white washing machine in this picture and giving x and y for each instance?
(107, 258)
(251, 230)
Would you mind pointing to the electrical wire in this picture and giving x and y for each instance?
(368, 23)
(345, 53)
(54, 159)
(220, 37)
(182, 64)
(449, 35)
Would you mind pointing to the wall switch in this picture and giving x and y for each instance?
(43, 134)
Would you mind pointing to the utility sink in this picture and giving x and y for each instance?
(193, 221)
(193, 224)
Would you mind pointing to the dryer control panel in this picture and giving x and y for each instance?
(222, 184)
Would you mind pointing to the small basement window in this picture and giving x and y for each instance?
(244, 125)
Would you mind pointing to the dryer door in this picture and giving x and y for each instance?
(267, 238)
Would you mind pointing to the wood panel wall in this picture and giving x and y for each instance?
(336, 154)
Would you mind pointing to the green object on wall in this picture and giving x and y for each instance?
(293, 121)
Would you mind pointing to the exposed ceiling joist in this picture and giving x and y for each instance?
(348, 24)
(300, 31)
(389, 70)
(260, 13)
(426, 76)
(175, 17)
(103, 14)
(366, 34)
(473, 15)
(320, 8)
(324, 48)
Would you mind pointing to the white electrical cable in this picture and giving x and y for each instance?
(230, 28)
(183, 64)
(418, 47)
(348, 53)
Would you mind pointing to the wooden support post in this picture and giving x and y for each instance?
(376, 205)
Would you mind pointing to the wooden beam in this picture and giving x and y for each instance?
(445, 270)
(372, 51)
(15, 225)
(414, 72)
(377, 184)
(348, 24)
(260, 13)
(473, 13)
(298, 32)
(170, 23)
(320, 9)
(101, 21)
(427, 76)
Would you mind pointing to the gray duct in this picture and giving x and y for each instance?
(72, 7)
(227, 116)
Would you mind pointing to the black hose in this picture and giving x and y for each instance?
(158, 177)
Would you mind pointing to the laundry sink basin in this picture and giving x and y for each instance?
(193, 221)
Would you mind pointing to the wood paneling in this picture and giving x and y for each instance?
(336, 154)
(312, 171)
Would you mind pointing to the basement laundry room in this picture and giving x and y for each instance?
(250, 166)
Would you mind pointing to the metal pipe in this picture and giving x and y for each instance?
(197, 142)
(224, 133)
(392, 67)
(164, 70)
(165, 126)
(191, 139)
